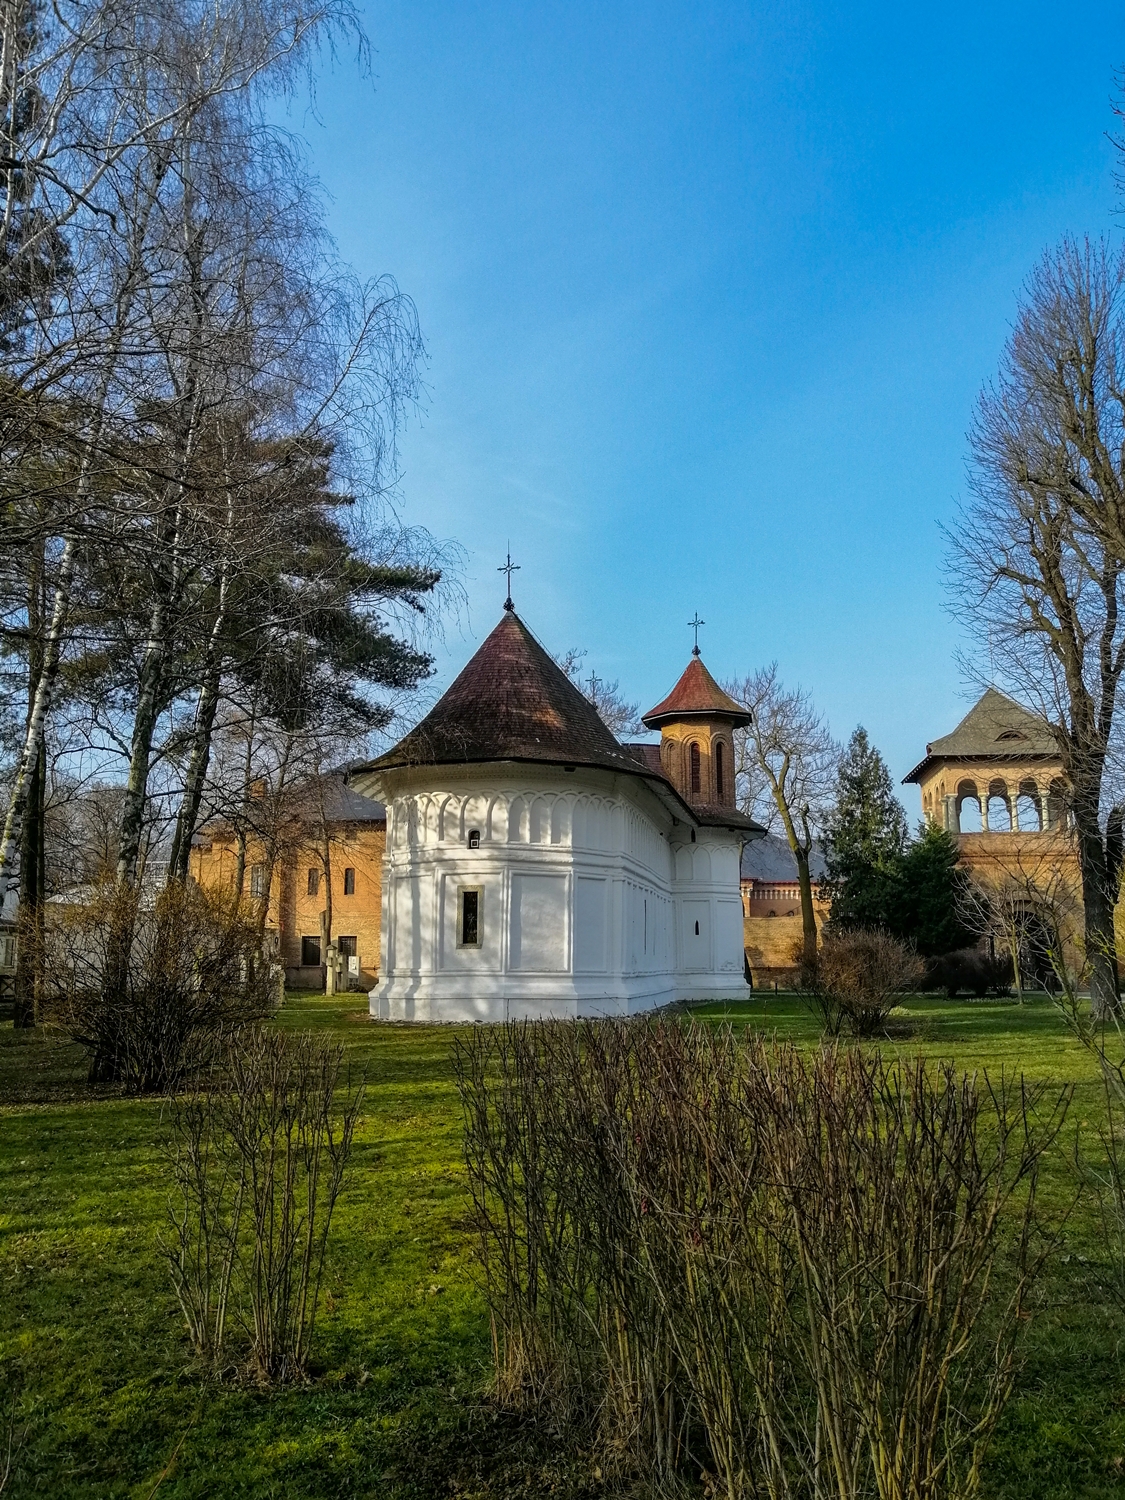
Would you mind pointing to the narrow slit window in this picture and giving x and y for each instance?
(719, 790)
(349, 881)
(470, 918)
(314, 882)
(697, 929)
(258, 880)
(693, 756)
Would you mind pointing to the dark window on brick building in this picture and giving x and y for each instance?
(314, 885)
(693, 757)
(310, 952)
(719, 789)
(345, 946)
(349, 881)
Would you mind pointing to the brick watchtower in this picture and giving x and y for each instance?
(696, 723)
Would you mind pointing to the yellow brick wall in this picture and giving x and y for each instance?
(293, 913)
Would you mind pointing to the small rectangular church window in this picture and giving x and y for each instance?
(469, 918)
(693, 756)
(349, 881)
(314, 882)
(258, 880)
(310, 953)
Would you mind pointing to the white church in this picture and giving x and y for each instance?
(537, 867)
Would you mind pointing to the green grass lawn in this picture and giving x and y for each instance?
(94, 1363)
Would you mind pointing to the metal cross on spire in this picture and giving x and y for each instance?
(509, 567)
(694, 625)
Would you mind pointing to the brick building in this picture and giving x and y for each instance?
(320, 873)
(771, 907)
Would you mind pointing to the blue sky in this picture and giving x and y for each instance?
(708, 292)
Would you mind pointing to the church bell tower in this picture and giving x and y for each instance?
(697, 722)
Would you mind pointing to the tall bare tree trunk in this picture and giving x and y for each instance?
(29, 909)
(808, 911)
(204, 727)
(31, 840)
(144, 727)
(1098, 902)
(37, 719)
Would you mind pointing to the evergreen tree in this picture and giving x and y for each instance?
(928, 905)
(864, 839)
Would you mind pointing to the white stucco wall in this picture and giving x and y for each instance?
(593, 900)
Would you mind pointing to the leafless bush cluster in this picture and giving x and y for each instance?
(858, 977)
(258, 1157)
(801, 1276)
(970, 969)
(146, 987)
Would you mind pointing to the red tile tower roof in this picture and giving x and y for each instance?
(696, 695)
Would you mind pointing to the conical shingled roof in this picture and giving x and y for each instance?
(995, 727)
(511, 702)
(696, 693)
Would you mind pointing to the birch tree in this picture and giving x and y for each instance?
(117, 86)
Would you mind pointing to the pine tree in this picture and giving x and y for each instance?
(927, 911)
(864, 839)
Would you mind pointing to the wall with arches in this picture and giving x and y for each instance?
(585, 897)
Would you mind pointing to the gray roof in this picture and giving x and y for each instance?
(772, 859)
(328, 796)
(342, 803)
(996, 727)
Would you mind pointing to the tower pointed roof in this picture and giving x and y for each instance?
(995, 728)
(696, 695)
(511, 702)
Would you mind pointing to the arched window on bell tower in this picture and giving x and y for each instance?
(693, 762)
(720, 784)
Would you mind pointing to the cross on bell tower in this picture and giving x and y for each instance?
(509, 567)
(694, 624)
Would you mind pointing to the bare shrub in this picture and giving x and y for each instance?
(897, 1180)
(258, 1156)
(858, 978)
(806, 1276)
(145, 988)
(970, 969)
(548, 1111)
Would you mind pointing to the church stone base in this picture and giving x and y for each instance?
(400, 1001)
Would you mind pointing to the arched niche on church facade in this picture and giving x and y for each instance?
(561, 820)
(517, 821)
(539, 821)
(474, 814)
(498, 820)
